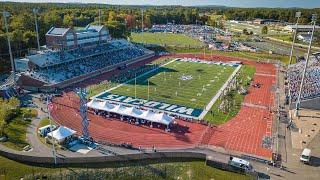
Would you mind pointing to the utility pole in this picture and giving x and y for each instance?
(49, 108)
(314, 18)
(142, 20)
(298, 15)
(148, 89)
(135, 86)
(99, 17)
(5, 16)
(35, 12)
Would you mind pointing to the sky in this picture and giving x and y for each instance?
(233, 3)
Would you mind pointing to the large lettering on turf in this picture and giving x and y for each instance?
(151, 104)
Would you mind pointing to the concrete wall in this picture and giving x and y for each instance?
(100, 159)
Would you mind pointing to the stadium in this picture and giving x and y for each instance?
(118, 93)
(148, 100)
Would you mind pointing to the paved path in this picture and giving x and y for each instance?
(32, 136)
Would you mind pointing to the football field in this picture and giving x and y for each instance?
(186, 84)
(168, 39)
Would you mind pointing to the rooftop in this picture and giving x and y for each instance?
(58, 31)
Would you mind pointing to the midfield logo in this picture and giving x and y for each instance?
(151, 104)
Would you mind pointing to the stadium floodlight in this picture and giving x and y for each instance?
(99, 17)
(142, 26)
(298, 15)
(49, 109)
(5, 16)
(313, 20)
(35, 12)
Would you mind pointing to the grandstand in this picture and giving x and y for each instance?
(311, 87)
(74, 55)
(7, 88)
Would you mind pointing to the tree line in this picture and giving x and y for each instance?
(120, 20)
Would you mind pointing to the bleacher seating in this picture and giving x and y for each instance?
(312, 80)
(82, 61)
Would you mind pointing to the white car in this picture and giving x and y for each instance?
(305, 155)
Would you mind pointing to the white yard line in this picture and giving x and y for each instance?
(122, 84)
(215, 98)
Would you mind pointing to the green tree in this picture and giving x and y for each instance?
(67, 21)
(264, 30)
(245, 31)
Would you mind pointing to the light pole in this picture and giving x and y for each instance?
(99, 17)
(5, 16)
(49, 108)
(298, 15)
(314, 18)
(142, 20)
(35, 12)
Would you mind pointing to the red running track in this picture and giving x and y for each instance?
(243, 133)
(185, 134)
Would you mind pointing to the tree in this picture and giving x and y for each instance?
(67, 21)
(264, 30)
(245, 31)
(112, 16)
(7, 110)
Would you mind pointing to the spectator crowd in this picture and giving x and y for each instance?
(86, 60)
(311, 86)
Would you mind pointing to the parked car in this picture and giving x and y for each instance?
(305, 156)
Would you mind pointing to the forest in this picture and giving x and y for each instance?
(120, 20)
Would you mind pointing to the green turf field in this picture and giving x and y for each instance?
(167, 39)
(165, 84)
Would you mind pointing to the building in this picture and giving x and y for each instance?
(301, 28)
(74, 55)
(68, 38)
(258, 21)
(265, 21)
(305, 37)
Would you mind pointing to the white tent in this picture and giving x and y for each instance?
(163, 118)
(61, 134)
(148, 115)
(95, 104)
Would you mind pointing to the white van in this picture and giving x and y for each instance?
(305, 155)
(240, 163)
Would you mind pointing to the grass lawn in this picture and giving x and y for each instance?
(10, 169)
(44, 122)
(166, 39)
(165, 84)
(98, 88)
(219, 117)
(16, 128)
(148, 169)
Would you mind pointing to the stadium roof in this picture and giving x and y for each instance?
(58, 31)
(47, 58)
(94, 27)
